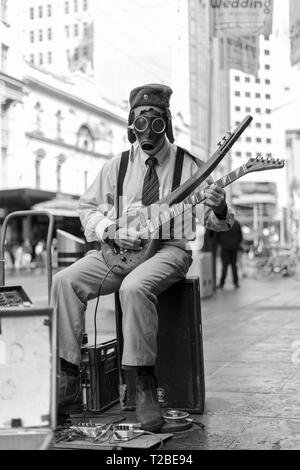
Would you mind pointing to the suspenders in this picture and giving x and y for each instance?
(176, 176)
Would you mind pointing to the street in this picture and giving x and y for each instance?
(252, 355)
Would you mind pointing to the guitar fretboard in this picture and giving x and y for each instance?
(179, 208)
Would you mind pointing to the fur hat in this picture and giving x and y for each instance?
(152, 94)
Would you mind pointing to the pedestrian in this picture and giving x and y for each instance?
(230, 243)
(148, 177)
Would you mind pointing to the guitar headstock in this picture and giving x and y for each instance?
(261, 164)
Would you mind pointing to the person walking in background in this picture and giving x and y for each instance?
(230, 243)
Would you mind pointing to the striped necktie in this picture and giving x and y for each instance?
(151, 183)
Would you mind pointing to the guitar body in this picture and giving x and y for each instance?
(125, 261)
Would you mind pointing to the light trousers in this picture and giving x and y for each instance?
(75, 285)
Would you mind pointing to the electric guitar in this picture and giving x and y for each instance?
(124, 261)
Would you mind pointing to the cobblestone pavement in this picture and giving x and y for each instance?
(252, 363)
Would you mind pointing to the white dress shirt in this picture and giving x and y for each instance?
(97, 206)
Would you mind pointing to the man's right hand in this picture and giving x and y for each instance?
(125, 238)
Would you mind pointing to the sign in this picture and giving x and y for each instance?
(243, 54)
(242, 17)
(295, 31)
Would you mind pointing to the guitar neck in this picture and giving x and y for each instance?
(194, 199)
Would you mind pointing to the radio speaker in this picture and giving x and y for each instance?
(180, 364)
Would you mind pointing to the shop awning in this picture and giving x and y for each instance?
(23, 198)
(59, 206)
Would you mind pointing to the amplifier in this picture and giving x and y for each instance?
(180, 364)
(100, 376)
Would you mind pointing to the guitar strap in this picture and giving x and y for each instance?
(121, 177)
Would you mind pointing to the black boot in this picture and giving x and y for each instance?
(148, 411)
(127, 388)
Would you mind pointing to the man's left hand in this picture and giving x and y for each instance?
(215, 197)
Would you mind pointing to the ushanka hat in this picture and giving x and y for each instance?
(155, 95)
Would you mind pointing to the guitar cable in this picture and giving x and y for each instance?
(92, 392)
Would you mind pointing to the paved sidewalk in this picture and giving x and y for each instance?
(252, 364)
(252, 369)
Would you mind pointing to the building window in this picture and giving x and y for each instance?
(247, 94)
(248, 109)
(49, 34)
(248, 139)
(31, 13)
(237, 78)
(247, 79)
(67, 29)
(4, 10)
(40, 35)
(237, 108)
(237, 93)
(4, 54)
(267, 52)
(41, 58)
(85, 176)
(67, 8)
(268, 97)
(85, 5)
(85, 139)
(257, 110)
(40, 12)
(238, 154)
(269, 155)
(248, 154)
(38, 173)
(49, 10)
(76, 30)
(59, 119)
(269, 141)
(49, 57)
(258, 140)
(268, 125)
(31, 36)
(267, 81)
(259, 155)
(257, 95)
(258, 125)
(76, 54)
(268, 111)
(267, 67)
(32, 59)
(40, 155)
(85, 51)
(76, 6)
(257, 80)
(85, 29)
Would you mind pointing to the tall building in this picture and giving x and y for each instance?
(58, 35)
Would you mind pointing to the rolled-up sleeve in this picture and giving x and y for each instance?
(96, 206)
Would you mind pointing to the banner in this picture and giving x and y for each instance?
(242, 17)
(295, 31)
(243, 54)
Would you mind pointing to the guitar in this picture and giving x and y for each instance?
(124, 261)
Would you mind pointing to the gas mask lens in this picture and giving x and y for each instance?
(141, 123)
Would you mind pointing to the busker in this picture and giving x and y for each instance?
(149, 176)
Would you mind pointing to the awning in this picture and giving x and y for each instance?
(59, 206)
(23, 198)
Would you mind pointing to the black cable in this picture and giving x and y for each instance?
(92, 393)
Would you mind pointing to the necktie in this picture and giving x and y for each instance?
(151, 184)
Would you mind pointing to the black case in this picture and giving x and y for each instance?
(180, 364)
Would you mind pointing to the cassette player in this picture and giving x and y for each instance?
(14, 296)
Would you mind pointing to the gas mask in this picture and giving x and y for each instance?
(149, 128)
